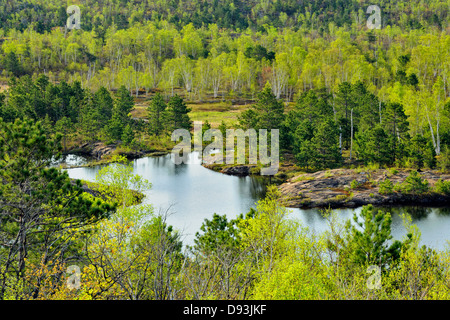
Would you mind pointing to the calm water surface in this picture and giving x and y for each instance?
(193, 193)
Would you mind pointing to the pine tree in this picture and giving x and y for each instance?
(373, 146)
(177, 114)
(269, 110)
(421, 152)
(12, 64)
(124, 104)
(326, 144)
(396, 124)
(41, 210)
(105, 105)
(127, 135)
(157, 115)
(368, 244)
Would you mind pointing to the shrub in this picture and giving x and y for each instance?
(442, 186)
(341, 197)
(373, 166)
(393, 171)
(414, 184)
(386, 187)
(354, 184)
(444, 160)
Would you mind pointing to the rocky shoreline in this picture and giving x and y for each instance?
(323, 189)
(99, 151)
(333, 189)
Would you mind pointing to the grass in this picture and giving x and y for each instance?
(215, 113)
(139, 111)
(328, 174)
(303, 178)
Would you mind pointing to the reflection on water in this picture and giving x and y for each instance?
(193, 193)
(433, 223)
(70, 160)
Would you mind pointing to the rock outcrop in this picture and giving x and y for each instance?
(333, 188)
(96, 150)
(241, 171)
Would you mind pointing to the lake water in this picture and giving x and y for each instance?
(193, 193)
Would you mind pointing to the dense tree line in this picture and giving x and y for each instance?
(232, 14)
(70, 110)
(322, 129)
(325, 128)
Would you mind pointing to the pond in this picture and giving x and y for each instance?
(192, 193)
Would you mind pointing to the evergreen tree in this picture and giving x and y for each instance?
(105, 105)
(269, 110)
(373, 146)
(114, 128)
(304, 150)
(177, 114)
(123, 105)
(41, 210)
(88, 121)
(64, 126)
(396, 124)
(157, 115)
(326, 144)
(368, 244)
(421, 152)
(127, 135)
(12, 64)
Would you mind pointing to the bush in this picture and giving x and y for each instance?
(442, 186)
(393, 171)
(414, 184)
(354, 184)
(386, 187)
(444, 160)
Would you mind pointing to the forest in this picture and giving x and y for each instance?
(341, 94)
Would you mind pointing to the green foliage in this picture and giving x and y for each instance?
(369, 244)
(443, 161)
(177, 114)
(157, 115)
(267, 113)
(355, 184)
(442, 186)
(374, 145)
(117, 183)
(12, 64)
(42, 212)
(134, 255)
(127, 135)
(414, 184)
(421, 152)
(386, 187)
(218, 234)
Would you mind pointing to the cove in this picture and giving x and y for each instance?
(192, 193)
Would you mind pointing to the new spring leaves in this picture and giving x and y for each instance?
(74, 20)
